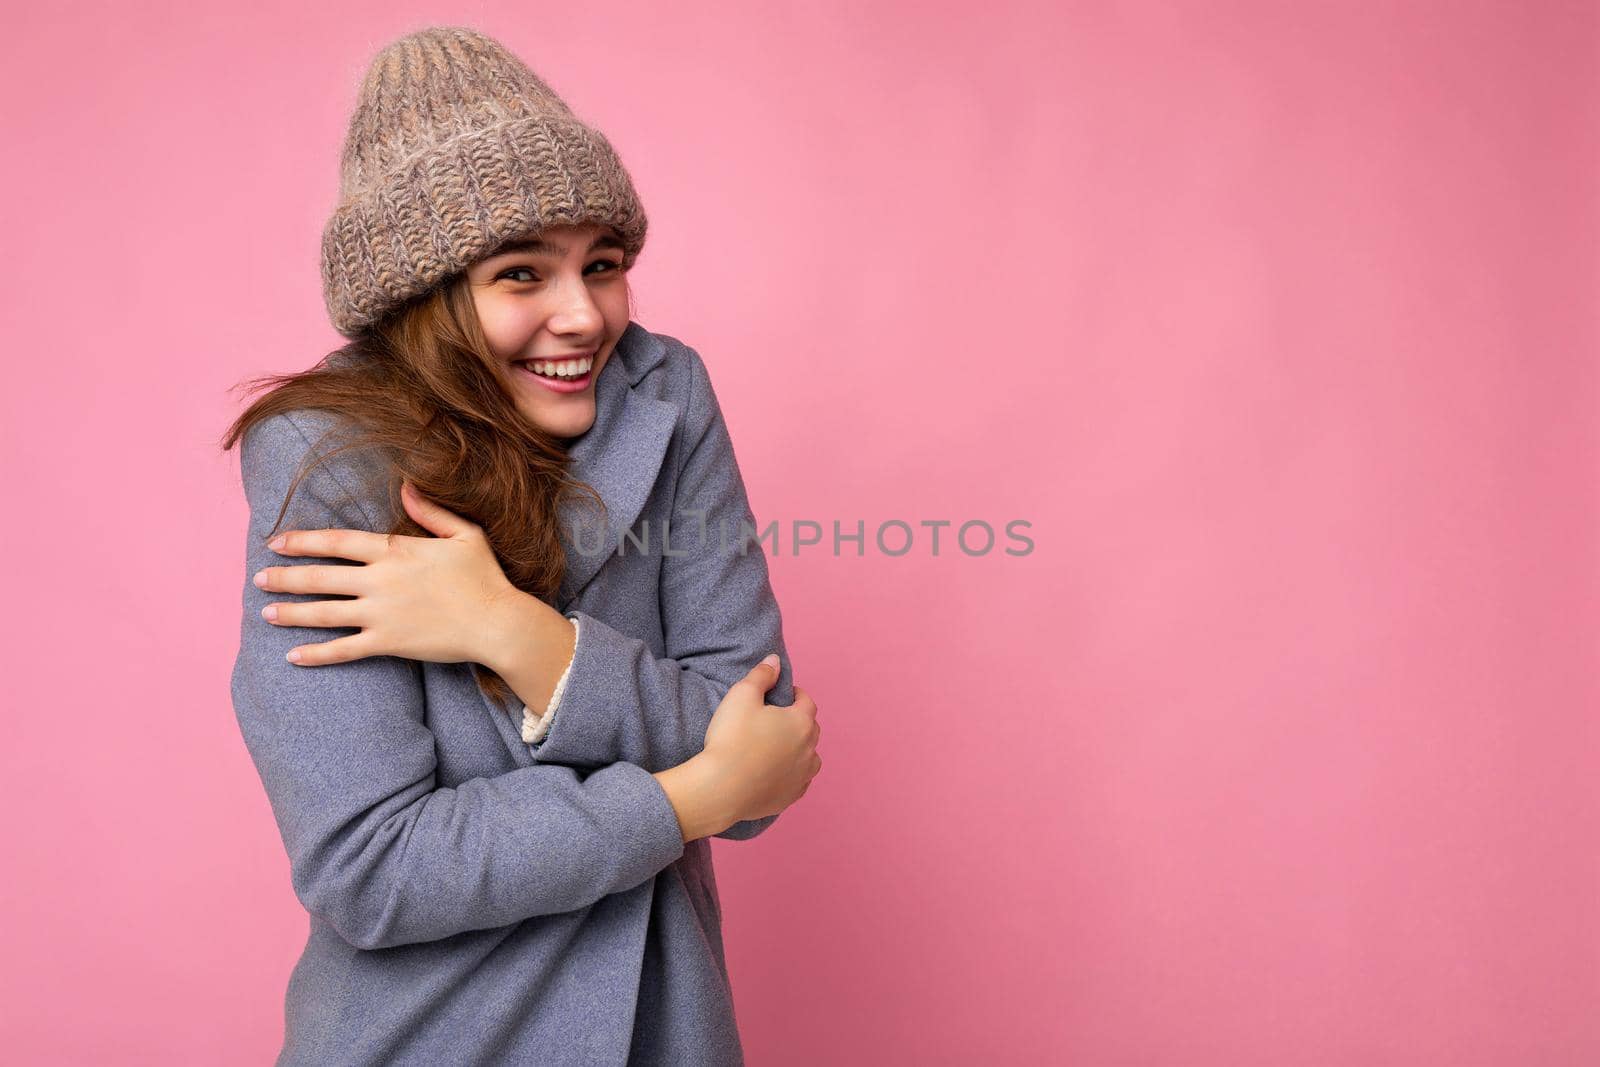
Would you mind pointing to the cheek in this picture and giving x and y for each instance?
(507, 324)
(613, 304)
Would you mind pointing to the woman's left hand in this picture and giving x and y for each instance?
(423, 598)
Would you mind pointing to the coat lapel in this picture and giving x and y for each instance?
(620, 457)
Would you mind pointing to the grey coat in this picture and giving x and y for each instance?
(472, 898)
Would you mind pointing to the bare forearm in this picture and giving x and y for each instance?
(528, 644)
(698, 796)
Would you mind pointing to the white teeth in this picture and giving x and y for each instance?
(565, 368)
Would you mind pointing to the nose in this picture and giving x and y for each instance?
(576, 311)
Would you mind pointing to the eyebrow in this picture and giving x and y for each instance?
(538, 246)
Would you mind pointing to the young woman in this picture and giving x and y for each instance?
(496, 785)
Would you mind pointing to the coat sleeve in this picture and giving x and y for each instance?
(719, 614)
(376, 847)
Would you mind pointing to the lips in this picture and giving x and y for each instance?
(566, 368)
(575, 383)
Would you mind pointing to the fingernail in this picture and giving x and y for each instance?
(293, 655)
(772, 660)
(260, 579)
(270, 613)
(277, 543)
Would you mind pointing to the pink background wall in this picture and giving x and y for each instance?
(1278, 323)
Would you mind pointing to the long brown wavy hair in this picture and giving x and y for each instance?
(423, 387)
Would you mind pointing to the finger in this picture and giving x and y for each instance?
(434, 518)
(314, 578)
(339, 650)
(803, 701)
(762, 676)
(316, 613)
(361, 545)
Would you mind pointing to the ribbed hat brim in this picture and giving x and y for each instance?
(460, 199)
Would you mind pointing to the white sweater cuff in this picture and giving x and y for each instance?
(534, 727)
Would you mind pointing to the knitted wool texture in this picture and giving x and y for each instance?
(456, 147)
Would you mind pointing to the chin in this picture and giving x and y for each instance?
(569, 415)
(563, 424)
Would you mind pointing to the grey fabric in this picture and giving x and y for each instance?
(472, 898)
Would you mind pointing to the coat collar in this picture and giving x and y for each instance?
(639, 351)
(620, 456)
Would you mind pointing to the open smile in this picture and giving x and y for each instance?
(568, 375)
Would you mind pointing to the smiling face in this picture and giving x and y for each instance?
(552, 307)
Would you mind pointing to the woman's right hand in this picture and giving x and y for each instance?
(765, 755)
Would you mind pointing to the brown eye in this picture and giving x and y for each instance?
(614, 266)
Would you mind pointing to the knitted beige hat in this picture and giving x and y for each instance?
(456, 147)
